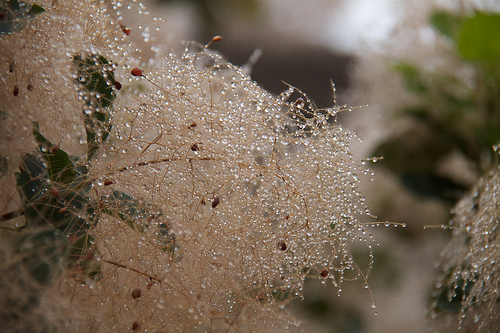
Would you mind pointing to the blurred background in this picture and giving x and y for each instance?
(428, 103)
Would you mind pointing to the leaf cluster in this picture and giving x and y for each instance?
(58, 201)
(451, 115)
(14, 15)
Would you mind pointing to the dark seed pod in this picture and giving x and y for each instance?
(53, 149)
(135, 325)
(192, 125)
(62, 210)
(282, 245)
(118, 85)
(324, 273)
(136, 293)
(15, 91)
(54, 192)
(216, 39)
(215, 203)
(195, 147)
(136, 71)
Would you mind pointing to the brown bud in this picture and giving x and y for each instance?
(215, 203)
(53, 149)
(282, 245)
(136, 293)
(195, 147)
(136, 71)
(324, 273)
(62, 210)
(214, 40)
(118, 85)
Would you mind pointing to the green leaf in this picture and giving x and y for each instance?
(59, 166)
(167, 239)
(447, 24)
(66, 208)
(95, 75)
(125, 207)
(14, 16)
(479, 39)
(36, 9)
(32, 178)
(82, 259)
(412, 76)
(43, 254)
(96, 79)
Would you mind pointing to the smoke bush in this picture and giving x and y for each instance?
(173, 194)
(468, 284)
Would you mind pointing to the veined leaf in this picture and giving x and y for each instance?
(412, 75)
(479, 38)
(447, 24)
(14, 15)
(96, 78)
(125, 207)
(81, 259)
(59, 166)
(43, 254)
(166, 238)
(67, 209)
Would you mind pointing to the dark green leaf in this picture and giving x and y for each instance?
(82, 258)
(32, 178)
(43, 254)
(67, 209)
(167, 239)
(95, 75)
(14, 15)
(447, 24)
(36, 9)
(59, 166)
(125, 207)
(479, 39)
(96, 79)
(414, 80)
